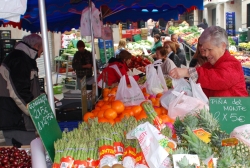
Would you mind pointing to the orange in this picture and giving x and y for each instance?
(164, 111)
(110, 114)
(166, 119)
(112, 92)
(87, 116)
(100, 103)
(129, 111)
(157, 102)
(137, 110)
(111, 98)
(95, 112)
(146, 95)
(141, 116)
(158, 110)
(118, 106)
(97, 108)
(114, 89)
(153, 99)
(100, 114)
(105, 107)
(159, 95)
(105, 92)
(102, 120)
(106, 98)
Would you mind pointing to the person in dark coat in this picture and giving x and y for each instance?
(203, 24)
(19, 85)
(156, 30)
(198, 58)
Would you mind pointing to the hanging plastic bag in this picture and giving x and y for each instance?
(160, 74)
(129, 96)
(242, 133)
(153, 84)
(179, 85)
(183, 105)
(95, 19)
(197, 91)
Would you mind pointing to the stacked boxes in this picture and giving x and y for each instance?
(144, 33)
(109, 49)
(6, 46)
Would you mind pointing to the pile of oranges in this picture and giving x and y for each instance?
(112, 111)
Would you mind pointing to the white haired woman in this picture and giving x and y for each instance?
(222, 75)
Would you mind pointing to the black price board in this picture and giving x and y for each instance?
(230, 112)
(45, 123)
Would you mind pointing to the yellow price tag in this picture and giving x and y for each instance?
(229, 142)
(202, 134)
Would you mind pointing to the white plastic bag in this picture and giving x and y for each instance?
(153, 84)
(160, 75)
(242, 133)
(197, 91)
(129, 96)
(150, 138)
(179, 85)
(183, 105)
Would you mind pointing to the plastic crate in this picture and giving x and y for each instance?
(137, 37)
(57, 89)
(68, 126)
(5, 34)
(108, 44)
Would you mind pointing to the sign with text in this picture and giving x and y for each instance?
(230, 23)
(230, 112)
(45, 123)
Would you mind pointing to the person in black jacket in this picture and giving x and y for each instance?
(156, 30)
(18, 84)
(198, 59)
(171, 52)
(82, 63)
(181, 54)
(203, 24)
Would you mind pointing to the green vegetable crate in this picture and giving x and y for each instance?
(109, 54)
(57, 89)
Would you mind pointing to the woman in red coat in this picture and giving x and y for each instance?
(222, 75)
(116, 68)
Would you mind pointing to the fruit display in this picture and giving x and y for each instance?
(139, 62)
(245, 45)
(14, 158)
(236, 155)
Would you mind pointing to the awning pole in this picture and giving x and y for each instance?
(44, 31)
(93, 46)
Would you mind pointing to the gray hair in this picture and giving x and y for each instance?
(214, 34)
(33, 39)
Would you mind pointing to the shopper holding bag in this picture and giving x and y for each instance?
(116, 68)
(222, 75)
(166, 64)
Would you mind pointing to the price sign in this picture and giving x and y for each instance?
(45, 123)
(230, 112)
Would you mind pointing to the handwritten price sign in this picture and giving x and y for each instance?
(45, 123)
(230, 112)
